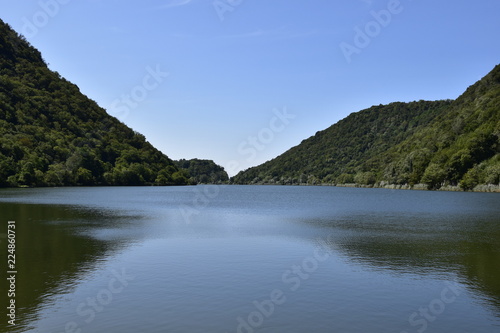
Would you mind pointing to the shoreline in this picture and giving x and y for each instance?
(483, 188)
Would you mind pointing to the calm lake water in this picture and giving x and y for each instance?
(252, 259)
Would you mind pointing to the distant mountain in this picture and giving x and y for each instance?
(204, 171)
(435, 144)
(53, 135)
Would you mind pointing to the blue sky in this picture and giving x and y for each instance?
(241, 81)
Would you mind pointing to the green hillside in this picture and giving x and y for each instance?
(53, 135)
(204, 171)
(442, 143)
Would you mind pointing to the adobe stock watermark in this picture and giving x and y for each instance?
(88, 309)
(121, 107)
(202, 196)
(420, 319)
(249, 149)
(292, 279)
(372, 29)
(41, 18)
(222, 7)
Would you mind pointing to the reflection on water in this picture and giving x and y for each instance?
(391, 252)
(467, 246)
(52, 257)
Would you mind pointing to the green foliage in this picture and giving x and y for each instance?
(434, 176)
(52, 135)
(470, 179)
(434, 143)
(180, 177)
(203, 171)
(365, 178)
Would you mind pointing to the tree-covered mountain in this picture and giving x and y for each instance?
(204, 171)
(53, 135)
(433, 143)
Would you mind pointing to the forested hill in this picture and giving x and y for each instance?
(204, 171)
(436, 144)
(53, 135)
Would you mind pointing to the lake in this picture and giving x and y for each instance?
(251, 259)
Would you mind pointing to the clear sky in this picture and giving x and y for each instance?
(242, 81)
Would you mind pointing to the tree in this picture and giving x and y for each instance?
(180, 177)
(470, 179)
(84, 177)
(434, 176)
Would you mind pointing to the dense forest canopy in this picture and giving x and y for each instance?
(204, 171)
(433, 143)
(53, 135)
